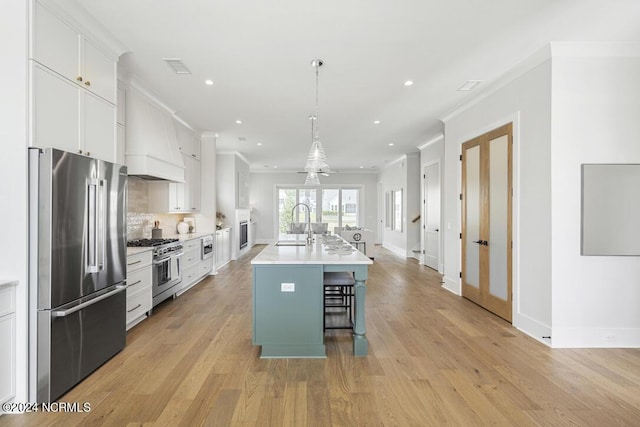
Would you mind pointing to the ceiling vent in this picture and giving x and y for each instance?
(469, 85)
(242, 138)
(177, 65)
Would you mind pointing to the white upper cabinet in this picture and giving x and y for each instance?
(177, 197)
(67, 117)
(98, 136)
(63, 49)
(73, 86)
(55, 110)
(188, 141)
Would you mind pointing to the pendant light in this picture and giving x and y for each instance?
(316, 159)
(312, 176)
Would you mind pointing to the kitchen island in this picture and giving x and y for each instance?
(288, 297)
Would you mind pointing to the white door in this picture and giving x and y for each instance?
(432, 216)
(381, 211)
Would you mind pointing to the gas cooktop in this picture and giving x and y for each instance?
(149, 242)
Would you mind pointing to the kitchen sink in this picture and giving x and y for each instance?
(290, 243)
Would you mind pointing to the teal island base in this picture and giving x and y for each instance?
(288, 309)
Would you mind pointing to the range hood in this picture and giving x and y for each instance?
(152, 150)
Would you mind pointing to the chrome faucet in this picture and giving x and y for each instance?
(309, 230)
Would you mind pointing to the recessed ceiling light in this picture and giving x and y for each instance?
(469, 85)
(275, 166)
(361, 167)
(208, 82)
(376, 122)
(259, 143)
(239, 122)
(391, 144)
(408, 83)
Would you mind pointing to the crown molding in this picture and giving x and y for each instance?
(433, 140)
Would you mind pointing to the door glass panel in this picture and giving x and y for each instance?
(498, 215)
(330, 208)
(472, 216)
(350, 207)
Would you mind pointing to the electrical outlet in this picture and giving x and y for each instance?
(610, 338)
(287, 287)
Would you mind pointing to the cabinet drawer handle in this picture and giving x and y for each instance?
(79, 151)
(135, 283)
(88, 153)
(134, 308)
(136, 262)
(88, 83)
(79, 78)
(193, 155)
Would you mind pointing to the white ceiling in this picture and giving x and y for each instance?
(258, 54)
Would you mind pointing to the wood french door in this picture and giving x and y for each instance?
(487, 220)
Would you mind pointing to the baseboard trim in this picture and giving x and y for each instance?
(451, 285)
(596, 338)
(532, 327)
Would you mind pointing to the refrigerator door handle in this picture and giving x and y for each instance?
(102, 221)
(92, 232)
(97, 220)
(64, 313)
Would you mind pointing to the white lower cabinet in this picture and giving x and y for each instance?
(223, 247)
(7, 342)
(139, 287)
(194, 268)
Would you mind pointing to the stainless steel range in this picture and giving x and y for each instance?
(167, 268)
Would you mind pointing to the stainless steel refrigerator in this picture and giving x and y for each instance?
(77, 268)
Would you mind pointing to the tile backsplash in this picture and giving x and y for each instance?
(139, 220)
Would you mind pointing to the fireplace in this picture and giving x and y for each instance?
(244, 234)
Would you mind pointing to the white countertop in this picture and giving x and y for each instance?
(188, 236)
(317, 253)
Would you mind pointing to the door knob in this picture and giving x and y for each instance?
(481, 242)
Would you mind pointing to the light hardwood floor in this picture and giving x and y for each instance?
(434, 359)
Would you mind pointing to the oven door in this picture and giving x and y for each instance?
(166, 273)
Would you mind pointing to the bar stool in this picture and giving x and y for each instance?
(338, 293)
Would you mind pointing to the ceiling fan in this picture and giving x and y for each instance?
(321, 172)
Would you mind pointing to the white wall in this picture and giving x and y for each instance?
(403, 174)
(581, 106)
(596, 105)
(206, 219)
(263, 197)
(13, 173)
(524, 98)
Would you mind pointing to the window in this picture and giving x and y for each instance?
(393, 209)
(330, 211)
(336, 206)
(350, 205)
